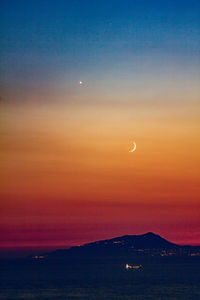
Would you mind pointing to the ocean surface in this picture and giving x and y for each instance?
(100, 278)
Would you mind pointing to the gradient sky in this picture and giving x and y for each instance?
(67, 176)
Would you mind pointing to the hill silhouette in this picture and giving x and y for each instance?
(148, 240)
(148, 244)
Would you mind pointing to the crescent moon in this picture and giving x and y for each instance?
(134, 148)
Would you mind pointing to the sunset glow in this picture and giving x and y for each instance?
(67, 174)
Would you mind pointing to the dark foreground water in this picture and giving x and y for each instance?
(97, 278)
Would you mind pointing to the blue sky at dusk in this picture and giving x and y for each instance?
(49, 45)
(67, 173)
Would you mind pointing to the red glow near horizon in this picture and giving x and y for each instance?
(69, 178)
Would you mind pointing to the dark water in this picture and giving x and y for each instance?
(100, 278)
(20, 252)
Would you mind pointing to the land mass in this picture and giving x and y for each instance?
(148, 244)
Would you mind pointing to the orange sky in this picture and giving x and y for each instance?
(68, 177)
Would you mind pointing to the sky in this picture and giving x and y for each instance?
(67, 176)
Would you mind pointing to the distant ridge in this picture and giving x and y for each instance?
(147, 240)
(149, 244)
